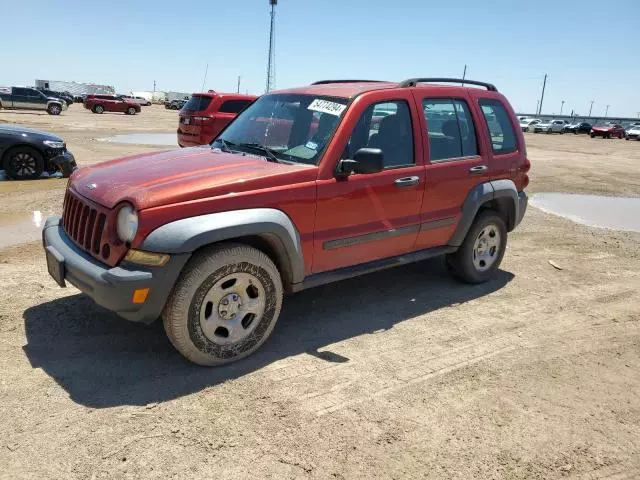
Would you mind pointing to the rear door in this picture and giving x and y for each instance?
(456, 161)
(19, 97)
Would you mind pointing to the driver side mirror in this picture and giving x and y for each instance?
(365, 160)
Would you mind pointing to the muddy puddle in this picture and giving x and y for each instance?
(162, 139)
(19, 229)
(616, 213)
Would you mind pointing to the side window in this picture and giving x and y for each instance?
(501, 133)
(233, 106)
(386, 126)
(19, 91)
(450, 126)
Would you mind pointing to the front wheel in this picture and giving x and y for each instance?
(224, 305)
(23, 163)
(592, 135)
(479, 256)
(131, 111)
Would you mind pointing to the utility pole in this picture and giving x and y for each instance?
(464, 74)
(561, 107)
(537, 106)
(590, 108)
(544, 85)
(238, 84)
(154, 86)
(606, 112)
(271, 67)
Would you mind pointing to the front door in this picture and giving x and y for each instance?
(366, 217)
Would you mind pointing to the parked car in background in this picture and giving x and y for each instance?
(578, 127)
(26, 98)
(66, 96)
(632, 133)
(528, 124)
(553, 126)
(110, 103)
(175, 104)
(79, 98)
(607, 130)
(26, 153)
(206, 114)
(210, 239)
(139, 100)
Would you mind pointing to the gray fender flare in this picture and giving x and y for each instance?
(501, 190)
(271, 225)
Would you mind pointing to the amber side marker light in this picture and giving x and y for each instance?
(151, 259)
(140, 295)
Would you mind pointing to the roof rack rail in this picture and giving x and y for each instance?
(325, 82)
(412, 82)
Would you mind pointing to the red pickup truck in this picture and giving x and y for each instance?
(111, 103)
(205, 115)
(306, 186)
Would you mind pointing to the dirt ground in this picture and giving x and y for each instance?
(399, 374)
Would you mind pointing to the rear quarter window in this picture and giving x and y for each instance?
(500, 130)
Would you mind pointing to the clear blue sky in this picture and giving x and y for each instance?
(590, 49)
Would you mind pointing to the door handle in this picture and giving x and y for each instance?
(478, 169)
(407, 182)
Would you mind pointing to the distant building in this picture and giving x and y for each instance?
(75, 88)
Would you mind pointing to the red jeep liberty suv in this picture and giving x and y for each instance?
(306, 186)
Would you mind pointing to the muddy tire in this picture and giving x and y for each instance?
(224, 305)
(479, 256)
(97, 109)
(23, 163)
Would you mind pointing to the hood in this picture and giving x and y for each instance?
(155, 179)
(6, 128)
(603, 128)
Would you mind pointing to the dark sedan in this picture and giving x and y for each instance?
(582, 127)
(26, 153)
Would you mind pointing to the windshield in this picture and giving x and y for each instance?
(197, 103)
(292, 127)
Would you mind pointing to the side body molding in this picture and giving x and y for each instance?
(273, 226)
(501, 190)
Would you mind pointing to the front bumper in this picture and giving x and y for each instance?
(523, 201)
(113, 287)
(64, 162)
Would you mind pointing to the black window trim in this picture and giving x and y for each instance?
(463, 158)
(515, 136)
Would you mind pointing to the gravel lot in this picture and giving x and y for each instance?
(399, 374)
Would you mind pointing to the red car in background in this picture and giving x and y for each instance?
(111, 103)
(607, 130)
(205, 115)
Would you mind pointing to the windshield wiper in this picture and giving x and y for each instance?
(268, 153)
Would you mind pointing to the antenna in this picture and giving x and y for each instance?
(271, 61)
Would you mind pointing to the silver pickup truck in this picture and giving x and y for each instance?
(30, 99)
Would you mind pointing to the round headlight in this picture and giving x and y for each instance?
(127, 223)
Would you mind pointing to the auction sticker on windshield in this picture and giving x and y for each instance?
(326, 106)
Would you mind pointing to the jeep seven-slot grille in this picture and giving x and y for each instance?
(86, 224)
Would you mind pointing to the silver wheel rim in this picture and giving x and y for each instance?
(232, 308)
(486, 247)
(55, 110)
(23, 164)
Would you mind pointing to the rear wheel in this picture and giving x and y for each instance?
(23, 163)
(98, 109)
(479, 256)
(224, 305)
(54, 109)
